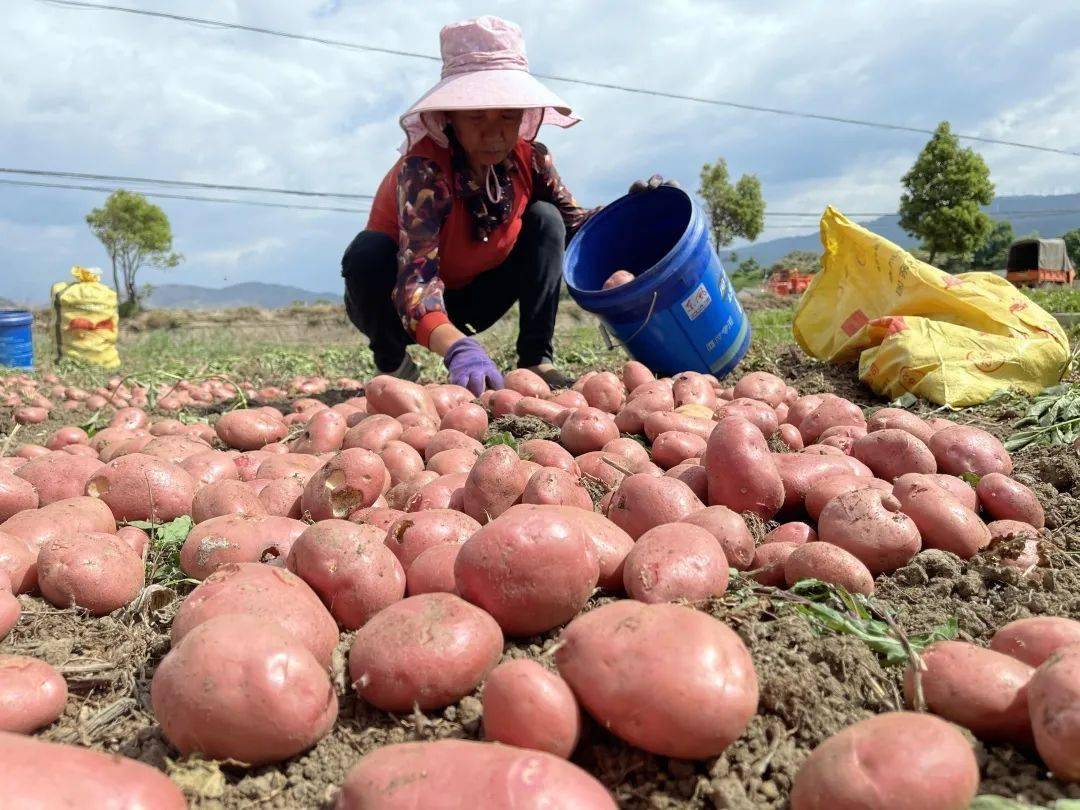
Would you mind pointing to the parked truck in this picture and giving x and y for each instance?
(1035, 262)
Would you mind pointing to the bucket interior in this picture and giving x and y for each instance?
(633, 234)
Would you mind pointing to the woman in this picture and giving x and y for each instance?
(472, 218)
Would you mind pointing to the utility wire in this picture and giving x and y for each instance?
(229, 200)
(356, 46)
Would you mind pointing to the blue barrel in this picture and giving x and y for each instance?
(680, 312)
(16, 340)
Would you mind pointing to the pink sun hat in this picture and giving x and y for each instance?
(484, 68)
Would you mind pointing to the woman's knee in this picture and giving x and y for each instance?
(546, 219)
(369, 257)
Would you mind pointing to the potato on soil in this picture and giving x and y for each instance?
(98, 572)
(39, 774)
(323, 433)
(690, 711)
(1054, 700)
(1035, 639)
(463, 773)
(943, 521)
(899, 419)
(241, 687)
(210, 466)
(729, 530)
(644, 501)
(795, 532)
(32, 694)
(896, 760)
(549, 454)
(587, 429)
(801, 472)
(767, 567)
(282, 497)
(528, 706)
(604, 391)
(825, 489)
(675, 561)
(1003, 498)
(60, 519)
(373, 433)
(674, 447)
(890, 453)
(10, 608)
(433, 571)
(869, 524)
(982, 690)
(401, 461)
(352, 479)
(830, 564)
(438, 493)
(532, 569)
(742, 472)
(428, 650)
(958, 488)
(494, 484)
(394, 397)
(414, 533)
(962, 448)
(18, 563)
(454, 460)
(237, 539)
(611, 544)
(757, 413)
(379, 516)
(58, 476)
(635, 374)
(556, 487)
(225, 498)
(763, 386)
(250, 429)
(832, 411)
(469, 418)
(265, 591)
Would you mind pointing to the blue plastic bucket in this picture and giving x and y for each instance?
(680, 313)
(16, 340)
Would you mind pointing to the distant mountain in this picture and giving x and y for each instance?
(1065, 216)
(251, 293)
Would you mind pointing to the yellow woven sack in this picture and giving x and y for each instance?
(86, 319)
(953, 340)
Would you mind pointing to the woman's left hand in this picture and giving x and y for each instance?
(653, 182)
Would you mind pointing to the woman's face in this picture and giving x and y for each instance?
(487, 136)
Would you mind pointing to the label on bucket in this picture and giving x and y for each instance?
(697, 302)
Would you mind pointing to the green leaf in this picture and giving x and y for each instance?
(905, 400)
(970, 478)
(503, 437)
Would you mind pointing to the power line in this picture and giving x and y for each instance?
(566, 79)
(184, 183)
(151, 193)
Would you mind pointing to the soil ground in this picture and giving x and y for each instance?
(811, 684)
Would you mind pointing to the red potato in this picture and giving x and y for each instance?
(943, 521)
(349, 568)
(32, 694)
(962, 448)
(692, 388)
(843, 431)
(830, 564)
(30, 415)
(674, 447)
(225, 498)
(895, 760)
(762, 386)
(44, 775)
(828, 488)
(611, 544)
(106, 437)
(135, 539)
(842, 443)
(324, 433)
(418, 437)
(1003, 498)
(569, 398)
(8, 464)
(98, 572)
(899, 419)
(69, 434)
(18, 564)
(675, 561)
(129, 418)
(414, 533)
(1035, 639)
(437, 493)
(630, 449)
(502, 402)
(832, 411)
(250, 429)
(694, 476)
(29, 451)
(528, 706)
(890, 453)
(433, 571)
(290, 465)
(729, 530)
(454, 460)
(237, 539)
(240, 687)
(587, 429)
(631, 417)
(789, 435)
(797, 533)
(60, 519)
(494, 484)
(659, 422)
(468, 418)
(1054, 701)
(690, 711)
(267, 592)
(982, 690)
(122, 448)
(381, 517)
(373, 433)
(527, 383)
(801, 472)
(281, 497)
(10, 607)
(402, 461)
(448, 774)
(868, 524)
(644, 501)
(174, 449)
(427, 651)
(394, 397)
(548, 454)
(635, 374)
(352, 479)
(16, 495)
(604, 391)
(142, 487)
(959, 489)
(447, 397)
(556, 487)
(451, 440)
(743, 474)
(210, 466)
(617, 279)
(532, 569)
(58, 476)
(760, 414)
(803, 407)
(247, 464)
(607, 468)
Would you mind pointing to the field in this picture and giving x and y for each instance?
(816, 675)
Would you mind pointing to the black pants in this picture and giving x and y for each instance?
(531, 275)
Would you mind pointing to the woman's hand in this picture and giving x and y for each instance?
(470, 366)
(653, 182)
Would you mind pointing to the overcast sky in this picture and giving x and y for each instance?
(109, 93)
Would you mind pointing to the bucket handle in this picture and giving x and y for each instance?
(612, 343)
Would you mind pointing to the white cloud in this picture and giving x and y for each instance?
(119, 94)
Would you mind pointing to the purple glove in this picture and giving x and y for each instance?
(471, 367)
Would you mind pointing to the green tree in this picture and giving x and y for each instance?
(805, 261)
(136, 234)
(994, 250)
(945, 188)
(1072, 245)
(733, 210)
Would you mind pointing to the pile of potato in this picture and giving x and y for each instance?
(387, 515)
